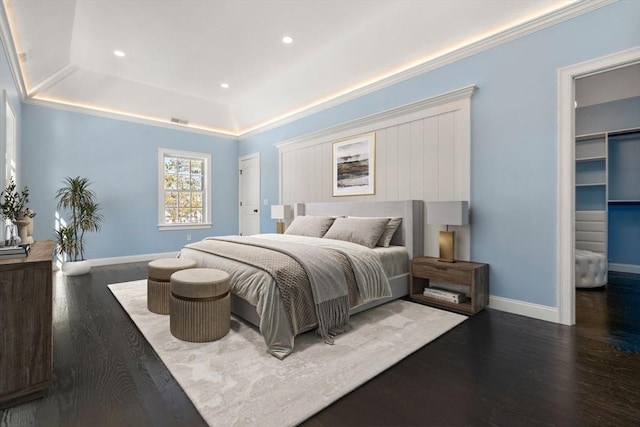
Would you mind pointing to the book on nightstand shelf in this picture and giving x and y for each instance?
(444, 295)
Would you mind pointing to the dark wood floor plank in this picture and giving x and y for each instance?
(496, 369)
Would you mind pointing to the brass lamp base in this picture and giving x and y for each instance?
(446, 240)
(280, 227)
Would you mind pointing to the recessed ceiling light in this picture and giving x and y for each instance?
(118, 53)
(287, 40)
(224, 85)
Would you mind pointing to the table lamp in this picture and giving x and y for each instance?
(447, 213)
(280, 212)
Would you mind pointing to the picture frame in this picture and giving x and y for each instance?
(354, 166)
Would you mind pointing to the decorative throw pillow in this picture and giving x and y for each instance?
(363, 231)
(310, 226)
(389, 231)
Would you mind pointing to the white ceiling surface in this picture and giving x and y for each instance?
(178, 52)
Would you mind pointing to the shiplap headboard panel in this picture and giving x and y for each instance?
(591, 231)
(422, 153)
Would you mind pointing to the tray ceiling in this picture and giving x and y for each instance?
(179, 52)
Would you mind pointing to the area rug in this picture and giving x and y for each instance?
(235, 382)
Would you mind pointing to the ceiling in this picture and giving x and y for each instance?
(179, 52)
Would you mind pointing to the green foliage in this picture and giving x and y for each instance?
(13, 203)
(79, 199)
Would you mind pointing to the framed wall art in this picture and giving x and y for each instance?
(354, 166)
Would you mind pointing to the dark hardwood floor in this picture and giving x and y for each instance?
(496, 369)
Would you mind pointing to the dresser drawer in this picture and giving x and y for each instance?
(443, 273)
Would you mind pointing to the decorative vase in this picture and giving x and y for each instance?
(25, 220)
(11, 237)
(76, 268)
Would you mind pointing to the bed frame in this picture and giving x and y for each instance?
(409, 234)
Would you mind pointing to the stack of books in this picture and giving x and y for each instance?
(8, 252)
(444, 295)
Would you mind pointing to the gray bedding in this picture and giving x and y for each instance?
(259, 287)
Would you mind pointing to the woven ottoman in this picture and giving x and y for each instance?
(200, 304)
(158, 281)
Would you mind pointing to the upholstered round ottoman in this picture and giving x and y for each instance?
(591, 269)
(158, 284)
(200, 304)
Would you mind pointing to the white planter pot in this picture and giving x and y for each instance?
(76, 268)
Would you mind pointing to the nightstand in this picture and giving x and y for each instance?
(472, 277)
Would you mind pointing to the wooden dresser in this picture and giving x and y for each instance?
(25, 325)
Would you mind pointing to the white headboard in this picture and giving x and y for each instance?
(410, 233)
(591, 231)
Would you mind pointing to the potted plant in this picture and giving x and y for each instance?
(80, 200)
(14, 211)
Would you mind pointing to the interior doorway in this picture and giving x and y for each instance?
(566, 171)
(249, 196)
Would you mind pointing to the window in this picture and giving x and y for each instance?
(184, 192)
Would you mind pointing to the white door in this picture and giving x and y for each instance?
(250, 195)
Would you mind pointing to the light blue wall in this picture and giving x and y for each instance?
(513, 141)
(120, 158)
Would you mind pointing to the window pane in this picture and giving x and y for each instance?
(171, 216)
(183, 166)
(185, 200)
(196, 167)
(171, 199)
(184, 183)
(170, 182)
(196, 183)
(184, 215)
(196, 200)
(170, 164)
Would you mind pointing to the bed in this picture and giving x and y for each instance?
(256, 264)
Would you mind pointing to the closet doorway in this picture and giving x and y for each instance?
(567, 78)
(607, 206)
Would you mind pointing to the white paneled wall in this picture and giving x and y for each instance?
(422, 154)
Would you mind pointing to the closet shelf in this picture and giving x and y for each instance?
(591, 159)
(624, 202)
(592, 184)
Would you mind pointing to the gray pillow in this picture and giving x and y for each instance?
(389, 231)
(310, 226)
(363, 231)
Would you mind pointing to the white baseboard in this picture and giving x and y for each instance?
(131, 258)
(537, 311)
(624, 268)
(121, 259)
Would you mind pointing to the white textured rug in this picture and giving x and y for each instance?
(234, 382)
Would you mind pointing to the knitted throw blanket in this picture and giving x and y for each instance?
(326, 275)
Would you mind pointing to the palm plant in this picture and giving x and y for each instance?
(77, 197)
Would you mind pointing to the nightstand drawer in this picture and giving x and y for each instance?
(443, 273)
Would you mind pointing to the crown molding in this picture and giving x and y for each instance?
(555, 17)
(12, 56)
(127, 118)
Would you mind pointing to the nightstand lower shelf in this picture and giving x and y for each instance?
(463, 307)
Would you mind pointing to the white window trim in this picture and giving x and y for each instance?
(208, 190)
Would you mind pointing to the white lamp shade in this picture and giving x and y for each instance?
(448, 213)
(280, 211)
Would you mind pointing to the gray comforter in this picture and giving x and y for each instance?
(259, 287)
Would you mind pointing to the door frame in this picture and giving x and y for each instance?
(240, 198)
(565, 286)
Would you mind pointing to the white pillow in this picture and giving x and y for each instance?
(310, 226)
(363, 231)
